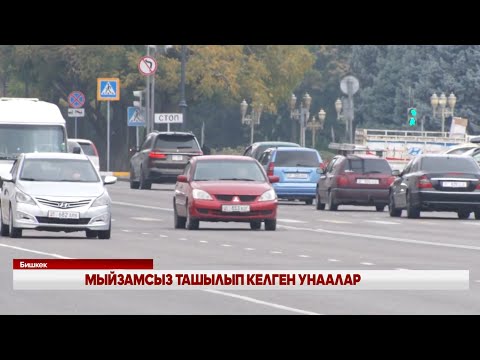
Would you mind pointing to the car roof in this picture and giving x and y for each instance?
(282, 149)
(273, 143)
(82, 141)
(454, 156)
(54, 155)
(224, 157)
(20, 110)
(364, 156)
(182, 133)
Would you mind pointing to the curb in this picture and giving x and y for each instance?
(120, 175)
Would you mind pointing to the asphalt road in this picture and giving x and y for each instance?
(351, 238)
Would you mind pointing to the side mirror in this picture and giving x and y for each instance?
(206, 150)
(396, 172)
(182, 178)
(109, 180)
(273, 179)
(7, 178)
(77, 150)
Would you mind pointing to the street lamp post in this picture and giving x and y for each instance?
(343, 114)
(253, 118)
(314, 125)
(301, 114)
(183, 102)
(442, 102)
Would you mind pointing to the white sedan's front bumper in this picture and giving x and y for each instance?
(26, 216)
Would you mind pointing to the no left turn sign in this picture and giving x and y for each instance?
(147, 65)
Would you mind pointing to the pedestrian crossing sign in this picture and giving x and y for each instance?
(108, 89)
(135, 116)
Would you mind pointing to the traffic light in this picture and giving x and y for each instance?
(412, 117)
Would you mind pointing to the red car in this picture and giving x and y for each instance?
(225, 188)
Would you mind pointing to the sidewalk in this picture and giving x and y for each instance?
(120, 175)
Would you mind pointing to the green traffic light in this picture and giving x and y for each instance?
(412, 122)
(413, 112)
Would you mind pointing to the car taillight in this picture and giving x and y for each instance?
(342, 180)
(95, 149)
(322, 166)
(424, 182)
(390, 180)
(271, 167)
(156, 155)
(477, 187)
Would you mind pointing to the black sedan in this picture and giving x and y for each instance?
(437, 183)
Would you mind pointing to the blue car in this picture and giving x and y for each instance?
(298, 170)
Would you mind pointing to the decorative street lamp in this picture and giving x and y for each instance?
(301, 114)
(253, 118)
(442, 102)
(314, 125)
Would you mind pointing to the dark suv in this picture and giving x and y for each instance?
(161, 158)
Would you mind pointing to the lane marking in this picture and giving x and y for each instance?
(382, 222)
(183, 239)
(141, 206)
(477, 281)
(226, 245)
(261, 302)
(203, 241)
(304, 256)
(275, 252)
(387, 238)
(471, 222)
(163, 236)
(335, 221)
(145, 233)
(333, 260)
(367, 263)
(400, 269)
(145, 219)
(127, 231)
(36, 251)
(293, 221)
(114, 220)
(249, 249)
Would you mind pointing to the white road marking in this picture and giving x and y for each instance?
(241, 297)
(141, 206)
(114, 220)
(203, 241)
(182, 239)
(367, 263)
(292, 221)
(124, 230)
(145, 233)
(145, 219)
(387, 238)
(471, 222)
(427, 222)
(36, 251)
(304, 256)
(400, 269)
(382, 222)
(261, 302)
(163, 236)
(275, 252)
(335, 221)
(333, 260)
(226, 245)
(249, 249)
(477, 281)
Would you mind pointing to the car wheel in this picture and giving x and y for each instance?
(380, 208)
(255, 225)
(413, 212)
(191, 223)
(14, 232)
(332, 205)
(178, 221)
(144, 183)
(91, 234)
(133, 184)
(271, 225)
(309, 201)
(105, 234)
(394, 212)
(463, 214)
(4, 228)
(318, 203)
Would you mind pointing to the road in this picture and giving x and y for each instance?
(351, 238)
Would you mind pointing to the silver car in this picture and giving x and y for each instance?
(55, 192)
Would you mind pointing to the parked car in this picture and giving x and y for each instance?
(162, 157)
(437, 182)
(74, 147)
(224, 188)
(55, 192)
(354, 180)
(255, 150)
(89, 149)
(461, 148)
(298, 170)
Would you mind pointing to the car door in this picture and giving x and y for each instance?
(139, 157)
(265, 159)
(400, 185)
(8, 191)
(182, 190)
(326, 179)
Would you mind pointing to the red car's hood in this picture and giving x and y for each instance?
(232, 187)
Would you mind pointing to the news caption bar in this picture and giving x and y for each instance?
(139, 274)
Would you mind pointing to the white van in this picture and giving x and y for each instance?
(29, 125)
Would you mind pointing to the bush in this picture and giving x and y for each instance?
(229, 151)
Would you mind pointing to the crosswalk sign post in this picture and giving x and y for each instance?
(108, 89)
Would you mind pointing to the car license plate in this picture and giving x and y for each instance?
(297, 176)
(454, 184)
(368, 181)
(63, 215)
(177, 157)
(235, 208)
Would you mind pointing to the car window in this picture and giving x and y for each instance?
(265, 158)
(368, 166)
(148, 143)
(88, 149)
(449, 164)
(14, 168)
(331, 164)
(187, 169)
(297, 159)
(477, 157)
(248, 152)
(207, 170)
(65, 170)
(175, 142)
(459, 151)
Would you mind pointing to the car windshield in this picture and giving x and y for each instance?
(449, 164)
(261, 148)
(176, 142)
(297, 159)
(65, 170)
(368, 166)
(228, 170)
(88, 149)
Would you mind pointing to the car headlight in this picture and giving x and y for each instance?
(201, 195)
(21, 197)
(102, 200)
(268, 195)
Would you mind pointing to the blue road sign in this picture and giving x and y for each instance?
(108, 89)
(135, 116)
(76, 99)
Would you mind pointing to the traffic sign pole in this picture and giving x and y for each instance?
(108, 135)
(76, 127)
